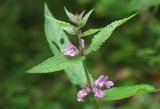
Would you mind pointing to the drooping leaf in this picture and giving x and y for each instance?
(55, 63)
(104, 34)
(90, 32)
(118, 93)
(83, 21)
(65, 26)
(71, 16)
(55, 35)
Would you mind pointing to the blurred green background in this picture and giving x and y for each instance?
(130, 56)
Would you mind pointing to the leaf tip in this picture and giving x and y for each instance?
(132, 15)
(65, 9)
(45, 5)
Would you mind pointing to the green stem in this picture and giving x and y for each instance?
(85, 68)
(95, 103)
(87, 75)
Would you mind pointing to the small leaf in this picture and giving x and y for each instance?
(90, 31)
(65, 26)
(118, 93)
(81, 15)
(83, 21)
(104, 34)
(55, 63)
(71, 16)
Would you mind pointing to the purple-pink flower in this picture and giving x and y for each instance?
(103, 81)
(96, 88)
(99, 83)
(71, 51)
(82, 93)
(98, 92)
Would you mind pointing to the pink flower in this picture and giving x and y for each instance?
(97, 88)
(82, 93)
(109, 84)
(71, 51)
(99, 83)
(98, 93)
(103, 81)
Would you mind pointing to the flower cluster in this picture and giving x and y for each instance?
(72, 50)
(96, 88)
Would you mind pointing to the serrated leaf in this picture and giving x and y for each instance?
(54, 35)
(55, 63)
(71, 16)
(90, 32)
(118, 93)
(65, 26)
(104, 34)
(83, 21)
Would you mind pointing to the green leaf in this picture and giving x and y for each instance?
(71, 16)
(83, 21)
(55, 35)
(81, 15)
(65, 26)
(104, 34)
(118, 93)
(90, 31)
(55, 63)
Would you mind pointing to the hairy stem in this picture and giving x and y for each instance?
(87, 75)
(79, 40)
(95, 103)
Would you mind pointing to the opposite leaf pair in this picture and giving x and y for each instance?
(77, 19)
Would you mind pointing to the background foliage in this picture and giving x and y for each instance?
(131, 55)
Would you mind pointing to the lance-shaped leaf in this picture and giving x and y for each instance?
(55, 63)
(90, 32)
(55, 36)
(81, 15)
(104, 34)
(71, 16)
(74, 18)
(118, 93)
(65, 26)
(83, 21)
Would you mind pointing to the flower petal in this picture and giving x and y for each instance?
(99, 93)
(82, 93)
(71, 51)
(101, 81)
(109, 84)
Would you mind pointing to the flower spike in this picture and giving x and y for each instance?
(97, 88)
